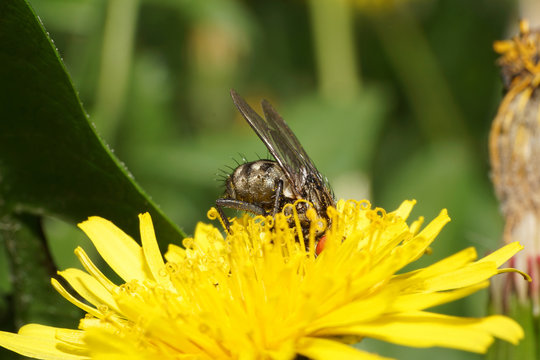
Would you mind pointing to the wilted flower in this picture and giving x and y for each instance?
(514, 151)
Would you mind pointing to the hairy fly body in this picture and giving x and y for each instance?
(253, 187)
(264, 187)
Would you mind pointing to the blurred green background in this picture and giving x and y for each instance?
(393, 100)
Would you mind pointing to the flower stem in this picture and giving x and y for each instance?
(332, 23)
(116, 57)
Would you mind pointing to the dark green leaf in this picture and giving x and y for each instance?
(51, 160)
(33, 298)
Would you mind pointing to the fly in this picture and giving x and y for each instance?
(264, 187)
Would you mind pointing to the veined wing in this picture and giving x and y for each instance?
(282, 144)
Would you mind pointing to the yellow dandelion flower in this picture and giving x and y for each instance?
(260, 293)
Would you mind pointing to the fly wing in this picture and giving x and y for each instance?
(269, 135)
(289, 147)
(282, 144)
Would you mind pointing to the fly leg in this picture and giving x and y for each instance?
(237, 205)
(277, 199)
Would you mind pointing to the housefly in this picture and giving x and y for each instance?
(264, 187)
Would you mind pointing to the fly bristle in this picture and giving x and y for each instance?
(235, 161)
(221, 176)
(243, 157)
(222, 172)
(221, 180)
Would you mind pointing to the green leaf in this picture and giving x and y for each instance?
(33, 299)
(51, 160)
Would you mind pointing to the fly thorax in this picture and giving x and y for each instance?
(256, 182)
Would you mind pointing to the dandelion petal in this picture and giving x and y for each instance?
(322, 349)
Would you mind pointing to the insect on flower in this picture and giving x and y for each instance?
(264, 187)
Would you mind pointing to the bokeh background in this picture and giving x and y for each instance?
(393, 100)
